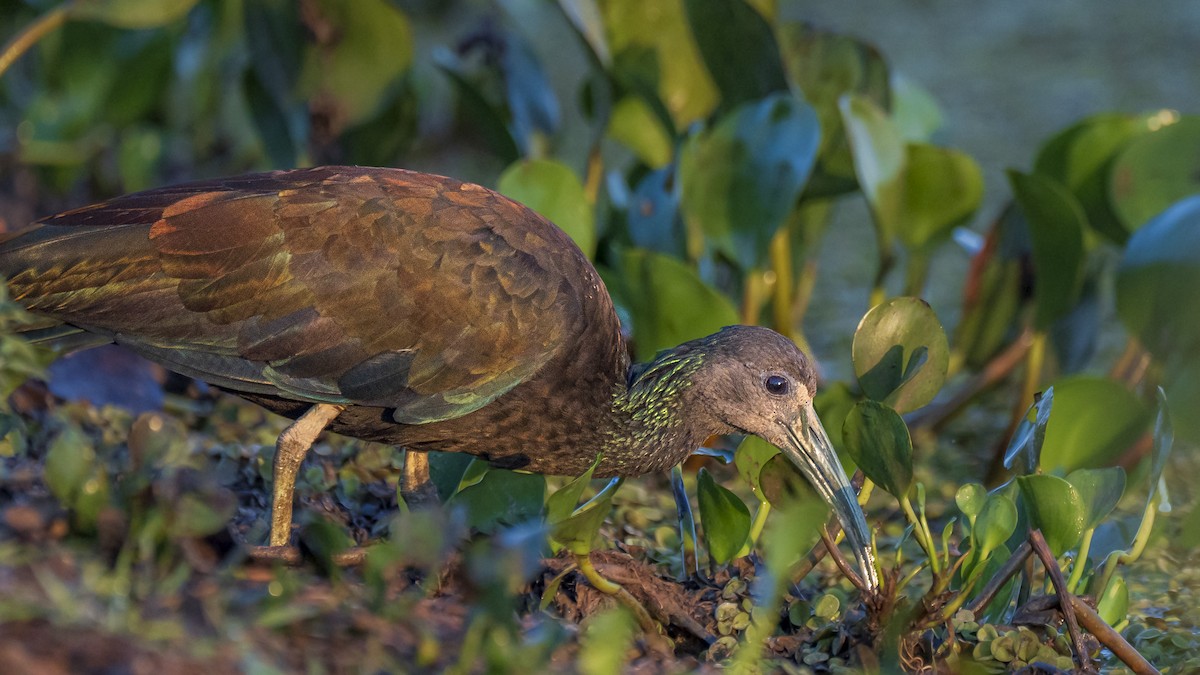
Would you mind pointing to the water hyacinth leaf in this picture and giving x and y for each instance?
(653, 48)
(1113, 603)
(880, 154)
(70, 463)
(653, 215)
(1100, 490)
(1156, 169)
(133, 14)
(791, 532)
(824, 66)
(584, 16)
(1081, 158)
(605, 643)
(1055, 508)
(532, 103)
(1030, 436)
(725, 518)
(668, 302)
(1164, 438)
(501, 497)
(373, 48)
(1161, 261)
(995, 524)
(832, 403)
(752, 455)
(901, 354)
(783, 484)
(741, 178)
(942, 190)
(553, 190)
(1056, 225)
(577, 533)
(1095, 420)
(634, 125)
(878, 441)
(970, 499)
(738, 48)
(914, 109)
(482, 117)
(562, 503)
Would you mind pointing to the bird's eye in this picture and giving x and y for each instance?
(776, 384)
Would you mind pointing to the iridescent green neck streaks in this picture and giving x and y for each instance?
(650, 430)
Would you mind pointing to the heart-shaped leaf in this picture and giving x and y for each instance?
(1056, 225)
(741, 178)
(553, 190)
(901, 353)
(995, 524)
(725, 518)
(751, 456)
(1095, 420)
(738, 48)
(135, 14)
(1156, 169)
(783, 484)
(501, 497)
(1100, 490)
(970, 499)
(1055, 508)
(577, 532)
(562, 503)
(1113, 603)
(878, 441)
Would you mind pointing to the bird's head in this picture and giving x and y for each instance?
(756, 381)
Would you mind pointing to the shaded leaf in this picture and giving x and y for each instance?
(131, 13)
(1055, 508)
(995, 524)
(1156, 169)
(1099, 490)
(1095, 420)
(751, 456)
(653, 214)
(553, 190)
(901, 353)
(1030, 435)
(879, 155)
(738, 48)
(783, 484)
(500, 497)
(1056, 224)
(725, 518)
(577, 533)
(878, 441)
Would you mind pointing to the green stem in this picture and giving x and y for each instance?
(752, 297)
(781, 299)
(35, 31)
(921, 534)
(1080, 561)
(916, 273)
(760, 521)
(1033, 367)
(1135, 551)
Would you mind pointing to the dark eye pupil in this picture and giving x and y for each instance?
(777, 385)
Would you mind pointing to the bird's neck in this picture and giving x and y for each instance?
(651, 426)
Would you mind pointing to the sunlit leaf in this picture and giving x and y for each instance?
(577, 533)
(1099, 490)
(901, 353)
(635, 125)
(741, 178)
(752, 455)
(562, 503)
(914, 109)
(1113, 603)
(1055, 508)
(1156, 169)
(1095, 420)
(668, 301)
(605, 642)
(1056, 224)
(553, 190)
(70, 463)
(970, 499)
(131, 13)
(1030, 436)
(878, 441)
(995, 523)
(942, 189)
(880, 154)
(738, 48)
(725, 518)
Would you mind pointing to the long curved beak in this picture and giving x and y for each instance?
(810, 449)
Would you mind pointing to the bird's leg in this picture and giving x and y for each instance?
(416, 487)
(293, 445)
(687, 525)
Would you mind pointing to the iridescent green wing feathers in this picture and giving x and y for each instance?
(374, 287)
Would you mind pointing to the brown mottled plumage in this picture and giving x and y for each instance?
(434, 314)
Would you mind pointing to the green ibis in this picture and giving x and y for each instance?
(410, 309)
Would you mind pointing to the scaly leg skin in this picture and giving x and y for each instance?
(293, 445)
(416, 488)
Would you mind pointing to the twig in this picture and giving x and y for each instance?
(1064, 598)
(35, 31)
(1010, 568)
(1119, 646)
(840, 561)
(290, 555)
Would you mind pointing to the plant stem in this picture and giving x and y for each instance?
(916, 273)
(840, 561)
(781, 299)
(1010, 568)
(921, 534)
(40, 28)
(1033, 367)
(760, 520)
(1134, 552)
(604, 585)
(1080, 561)
(753, 286)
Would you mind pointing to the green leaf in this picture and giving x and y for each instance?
(1081, 158)
(1055, 508)
(70, 464)
(130, 13)
(653, 214)
(970, 499)
(901, 354)
(995, 524)
(501, 497)
(825, 66)
(741, 178)
(1030, 436)
(1099, 490)
(577, 533)
(584, 16)
(791, 531)
(914, 109)
(725, 518)
(668, 302)
(553, 190)
(1056, 224)
(783, 484)
(879, 155)
(1095, 420)
(634, 124)
(655, 54)
(605, 642)
(370, 49)
(562, 503)
(1113, 603)
(1156, 169)
(738, 48)
(942, 189)
(751, 456)
(877, 439)
(1161, 262)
